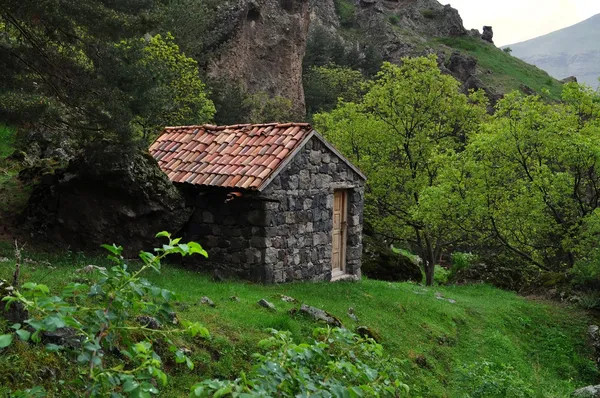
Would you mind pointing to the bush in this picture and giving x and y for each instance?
(462, 261)
(337, 363)
(441, 276)
(394, 19)
(120, 314)
(488, 379)
(429, 14)
(346, 12)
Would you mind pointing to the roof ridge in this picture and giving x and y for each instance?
(214, 127)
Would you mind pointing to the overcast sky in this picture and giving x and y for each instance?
(518, 20)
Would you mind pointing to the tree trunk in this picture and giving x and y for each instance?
(429, 273)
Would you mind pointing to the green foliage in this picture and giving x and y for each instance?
(394, 19)
(346, 11)
(179, 99)
(507, 50)
(411, 119)
(98, 319)
(429, 14)
(77, 68)
(545, 342)
(488, 379)
(529, 180)
(325, 85)
(441, 276)
(7, 139)
(265, 109)
(337, 362)
(508, 73)
(462, 261)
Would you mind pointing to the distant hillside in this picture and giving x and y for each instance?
(573, 51)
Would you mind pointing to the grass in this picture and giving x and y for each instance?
(543, 343)
(508, 73)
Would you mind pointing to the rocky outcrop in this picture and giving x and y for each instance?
(106, 196)
(266, 48)
(587, 392)
(488, 34)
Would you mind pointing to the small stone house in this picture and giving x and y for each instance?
(272, 202)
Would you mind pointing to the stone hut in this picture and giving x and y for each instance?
(273, 202)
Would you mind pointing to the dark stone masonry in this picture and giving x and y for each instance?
(283, 233)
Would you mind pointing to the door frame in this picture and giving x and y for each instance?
(344, 233)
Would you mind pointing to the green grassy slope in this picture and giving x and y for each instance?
(507, 73)
(449, 348)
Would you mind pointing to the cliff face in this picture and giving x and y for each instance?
(266, 47)
(267, 38)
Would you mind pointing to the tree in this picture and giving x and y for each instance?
(76, 66)
(177, 96)
(410, 120)
(325, 85)
(530, 182)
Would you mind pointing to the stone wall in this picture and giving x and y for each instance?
(232, 231)
(299, 221)
(285, 233)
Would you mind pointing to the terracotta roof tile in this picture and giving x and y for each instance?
(238, 156)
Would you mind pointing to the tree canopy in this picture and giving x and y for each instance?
(410, 119)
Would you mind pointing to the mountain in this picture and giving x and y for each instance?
(572, 51)
(267, 45)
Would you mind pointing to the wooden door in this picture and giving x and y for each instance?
(338, 259)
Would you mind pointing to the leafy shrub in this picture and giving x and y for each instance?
(507, 50)
(488, 379)
(337, 363)
(589, 301)
(462, 261)
(394, 19)
(100, 319)
(346, 12)
(441, 276)
(429, 14)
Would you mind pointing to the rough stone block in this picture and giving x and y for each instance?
(207, 217)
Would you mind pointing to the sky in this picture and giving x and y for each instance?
(514, 21)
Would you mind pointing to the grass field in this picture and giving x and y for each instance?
(487, 338)
(508, 73)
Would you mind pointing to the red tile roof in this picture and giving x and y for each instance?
(239, 156)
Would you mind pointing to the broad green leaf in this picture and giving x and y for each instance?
(5, 340)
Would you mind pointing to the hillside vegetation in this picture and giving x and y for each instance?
(457, 341)
(504, 73)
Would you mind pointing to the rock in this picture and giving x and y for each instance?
(65, 337)
(288, 299)
(352, 315)
(526, 89)
(488, 34)
(234, 298)
(218, 275)
(320, 315)
(88, 269)
(266, 304)
(16, 312)
(368, 333)
(207, 301)
(380, 262)
(570, 79)
(148, 321)
(276, 34)
(462, 66)
(106, 196)
(587, 392)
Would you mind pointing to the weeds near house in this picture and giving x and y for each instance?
(121, 314)
(337, 363)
